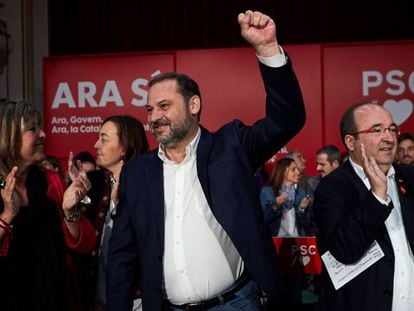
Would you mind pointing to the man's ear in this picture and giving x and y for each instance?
(336, 163)
(195, 105)
(350, 142)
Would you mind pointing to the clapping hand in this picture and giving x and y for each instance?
(376, 176)
(76, 192)
(74, 169)
(304, 203)
(78, 188)
(11, 199)
(280, 199)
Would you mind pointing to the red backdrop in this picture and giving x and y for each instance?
(376, 71)
(79, 92)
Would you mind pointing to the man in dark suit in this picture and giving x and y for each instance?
(368, 200)
(189, 210)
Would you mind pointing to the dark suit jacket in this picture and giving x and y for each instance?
(226, 163)
(349, 219)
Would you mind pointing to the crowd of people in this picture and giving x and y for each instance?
(186, 226)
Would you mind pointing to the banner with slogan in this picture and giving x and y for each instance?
(80, 92)
(298, 255)
(382, 72)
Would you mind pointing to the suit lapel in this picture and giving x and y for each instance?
(361, 193)
(405, 190)
(355, 180)
(154, 177)
(203, 151)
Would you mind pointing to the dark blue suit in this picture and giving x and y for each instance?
(349, 219)
(226, 163)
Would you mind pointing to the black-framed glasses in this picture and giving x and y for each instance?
(378, 130)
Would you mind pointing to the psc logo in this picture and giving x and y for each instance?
(302, 254)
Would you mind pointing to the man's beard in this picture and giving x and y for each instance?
(178, 131)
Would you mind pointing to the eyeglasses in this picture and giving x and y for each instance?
(377, 131)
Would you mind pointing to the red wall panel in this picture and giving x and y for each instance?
(383, 72)
(79, 92)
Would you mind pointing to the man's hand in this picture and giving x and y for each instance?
(376, 176)
(260, 31)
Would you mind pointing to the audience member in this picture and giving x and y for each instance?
(285, 208)
(86, 160)
(284, 204)
(405, 149)
(189, 211)
(33, 255)
(53, 163)
(300, 161)
(365, 208)
(121, 138)
(328, 158)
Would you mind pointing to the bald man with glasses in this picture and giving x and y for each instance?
(365, 210)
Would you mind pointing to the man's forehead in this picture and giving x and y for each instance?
(164, 84)
(406, 141)
(372, 114)
(321, 157)
(162, 90)
(368, 108)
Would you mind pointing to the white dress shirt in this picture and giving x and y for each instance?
(200, 260)
(403, 292)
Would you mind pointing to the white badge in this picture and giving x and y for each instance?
(341, 274)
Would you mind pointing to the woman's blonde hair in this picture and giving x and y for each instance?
(14, 118)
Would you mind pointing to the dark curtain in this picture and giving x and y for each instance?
(99, 26)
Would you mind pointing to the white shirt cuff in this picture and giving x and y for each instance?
(382, 201)
(274, 61)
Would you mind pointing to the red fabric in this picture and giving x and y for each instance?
(8, 235)
(4, 244)
(86, 241)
